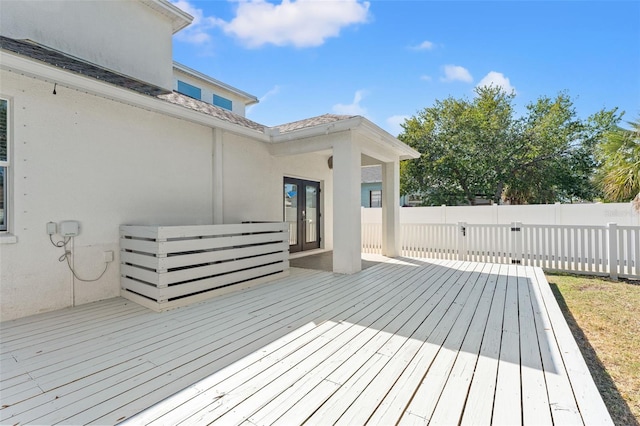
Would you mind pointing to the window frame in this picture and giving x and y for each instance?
(6, 165)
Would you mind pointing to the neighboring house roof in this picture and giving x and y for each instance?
(58, 59)
(371, 174)
(212, 110)
(249, 99)
(311, 122)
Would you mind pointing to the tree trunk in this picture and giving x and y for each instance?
(498, 194)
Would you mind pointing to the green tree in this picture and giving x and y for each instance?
(478, 147)
(619, 174)
(454, 137)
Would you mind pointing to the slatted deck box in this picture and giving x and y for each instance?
(164, 267)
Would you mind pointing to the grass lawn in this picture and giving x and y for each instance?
(604, 317)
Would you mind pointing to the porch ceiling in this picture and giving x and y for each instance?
(408, 340)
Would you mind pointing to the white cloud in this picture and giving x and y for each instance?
(354, 108)
(497, 79)
(195, 33)
(456, 73)
(300, 23)
(274, 91)
(425, 45)
(425, 77)
(394, 124)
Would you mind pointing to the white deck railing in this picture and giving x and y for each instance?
(599, 250)
(163, 267)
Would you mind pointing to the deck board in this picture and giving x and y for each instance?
(408, 341)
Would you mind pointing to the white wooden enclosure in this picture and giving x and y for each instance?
(598, 250)
(163, 267)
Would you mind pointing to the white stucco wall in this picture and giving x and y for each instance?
(76, 156)
(253, 183)
(80, 157)
(124, 36)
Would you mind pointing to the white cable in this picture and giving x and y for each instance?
(67, 256)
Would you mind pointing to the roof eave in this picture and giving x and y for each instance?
(179, 18)
(357, 123)
(49, 73)
(405, 152)
(249, 99)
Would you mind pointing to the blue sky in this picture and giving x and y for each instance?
(386, 60)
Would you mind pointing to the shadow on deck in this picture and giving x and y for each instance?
(407, 340)
(324, 261)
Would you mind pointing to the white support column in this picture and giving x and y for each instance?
(391, 209)
(218, 178)
(346, 206)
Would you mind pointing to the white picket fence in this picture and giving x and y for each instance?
(610, 250)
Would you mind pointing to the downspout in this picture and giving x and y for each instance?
(217, 176)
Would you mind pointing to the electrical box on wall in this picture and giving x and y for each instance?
(69, 228)
(52, 228)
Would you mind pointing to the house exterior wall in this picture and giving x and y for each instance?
(124, 36)
(253, 183)
(76, 156)
(80, 157)
(208, 90)
(365, 190)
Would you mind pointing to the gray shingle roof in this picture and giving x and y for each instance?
(372, 174)
(52, 57)
(311, 122)
(212, 110)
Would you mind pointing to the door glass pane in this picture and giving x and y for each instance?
(311, 227)
(291, 211)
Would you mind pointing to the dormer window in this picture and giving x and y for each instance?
(222, 102)
(190, 90)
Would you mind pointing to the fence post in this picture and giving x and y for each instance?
(462, 234)
(557, 214)
(612, 233)
(516, 243)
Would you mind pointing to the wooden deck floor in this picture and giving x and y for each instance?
(409, 341)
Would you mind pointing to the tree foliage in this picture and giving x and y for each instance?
(479, 148)
(619, 175)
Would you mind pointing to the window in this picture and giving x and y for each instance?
(189, 90)
(375, 198)
(4, 162)
(222, 102)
